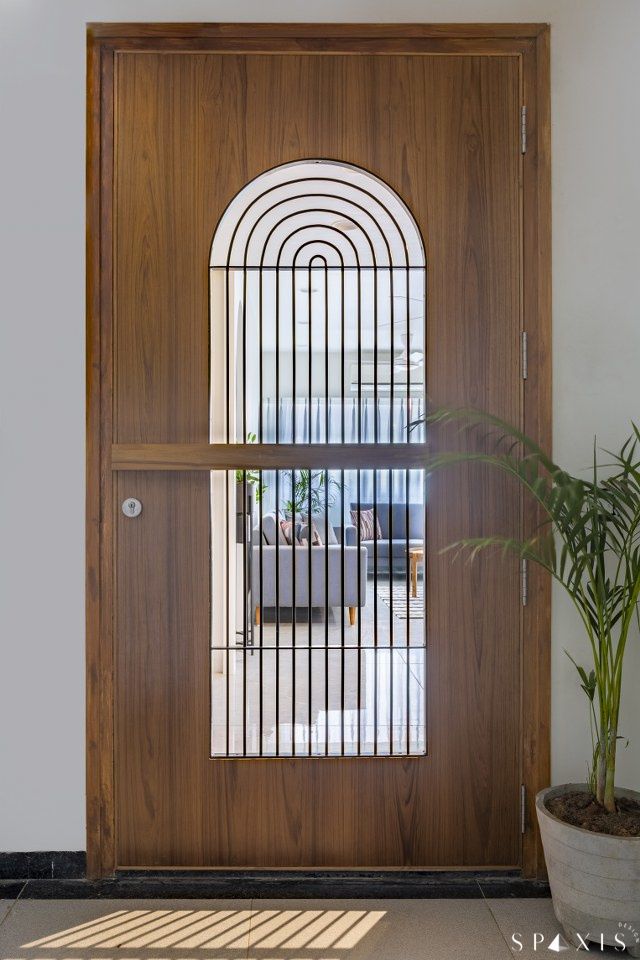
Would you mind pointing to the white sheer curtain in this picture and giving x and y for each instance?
(352, 421)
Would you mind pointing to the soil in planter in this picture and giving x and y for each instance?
(583, 810)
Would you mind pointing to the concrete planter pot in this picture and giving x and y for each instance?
(594, 878)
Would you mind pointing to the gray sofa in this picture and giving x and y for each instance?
(398, 544)
(293, 571)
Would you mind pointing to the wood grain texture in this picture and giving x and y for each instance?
(328, 46)
(268, 456)
(93, 500)
(99, 529)
(164, 800)
(443, 132)
(319, 32)
(536, 653)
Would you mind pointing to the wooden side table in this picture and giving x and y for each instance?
(416, 556)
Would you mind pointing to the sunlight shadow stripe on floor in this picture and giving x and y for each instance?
(133, 923)
(329, 936)
(303, 937)
(227, 938)
(267, 926)
(286, 930)
(353, 936)
(72, 934)
(141, 935)
(214, 931)
(84, 926)
(208, 929)
(258, 920)
(202, 927)
(181, 928)
(298, 930)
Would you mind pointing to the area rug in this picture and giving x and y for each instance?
(416, 607)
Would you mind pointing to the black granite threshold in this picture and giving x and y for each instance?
(357, 885)
(43, 865)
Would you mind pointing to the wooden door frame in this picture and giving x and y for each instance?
(529, 42)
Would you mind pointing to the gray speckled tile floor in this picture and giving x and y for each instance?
(262, 929)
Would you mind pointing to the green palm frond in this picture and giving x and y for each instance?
(588, 540)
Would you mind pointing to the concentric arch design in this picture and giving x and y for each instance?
(293, 213)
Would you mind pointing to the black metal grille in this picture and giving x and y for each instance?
(318, 628)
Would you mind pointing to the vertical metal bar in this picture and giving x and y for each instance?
(244, 613)
(375, 615)
(228, 342)
(359, 321)
(342, 384)
(294, 384)
(326, 354)
(342, 563)
(245, 580)
(277, 318)
(376, 438)
(408, 653)
(260, 519)
(261, 663)
(294, 398)
(343, 535)
(234, 507)
(326, 609)
(359, 670)
(406, 500)
(392, 354)
(391, 621)
(310, 514)
(277, 580)
(390, 502)
(309, 548)
(342, 637)
(357, 565)
(277, 512)
(244, 356)
(309, 351)
(293, 612)
(326, 508)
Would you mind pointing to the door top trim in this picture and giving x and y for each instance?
(442, 31)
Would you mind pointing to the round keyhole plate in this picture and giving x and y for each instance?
(131, 507)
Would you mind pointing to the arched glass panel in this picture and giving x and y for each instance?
(317, 281)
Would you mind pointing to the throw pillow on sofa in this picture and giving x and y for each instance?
(288, 529)
(316, 538)
(369, 526)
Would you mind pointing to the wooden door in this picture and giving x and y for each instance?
(182, 131)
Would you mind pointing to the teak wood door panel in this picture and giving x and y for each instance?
(190, 128)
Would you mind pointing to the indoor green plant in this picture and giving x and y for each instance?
(252, 478)
(589, 542)
(312, 491)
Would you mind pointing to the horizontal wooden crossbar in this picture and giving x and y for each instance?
(268, 456)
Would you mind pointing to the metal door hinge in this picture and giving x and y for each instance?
(523, 129)
(524, 574)
(523, 808)
(525, 357)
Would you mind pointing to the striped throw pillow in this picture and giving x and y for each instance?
(369, 530)
(288, 531)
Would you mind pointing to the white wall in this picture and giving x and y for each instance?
(596, 222)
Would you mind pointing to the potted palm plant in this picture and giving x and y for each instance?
(589, 543)
(311, 491)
